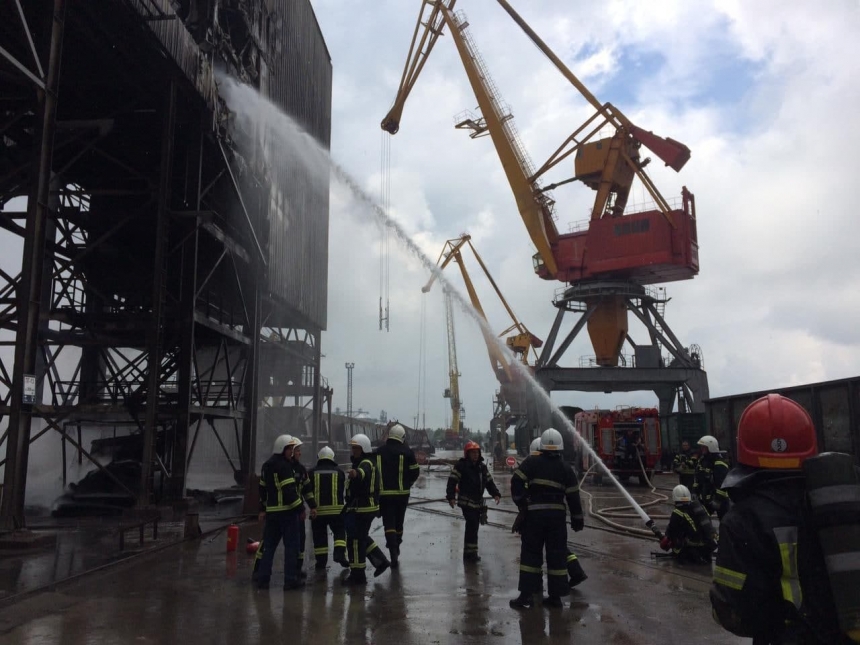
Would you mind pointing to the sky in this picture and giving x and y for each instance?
(764, 94)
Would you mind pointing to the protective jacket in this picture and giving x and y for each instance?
(711, 470)
(362, 492)
(684, 464)
(278, 489)
(397, 468)
(690, 532)
(770, 580)
(471, 479)
(307, 492)
(325, 484)
(543, 483)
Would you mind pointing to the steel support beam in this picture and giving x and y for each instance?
(252, 403)
(159, 279)
(27, 339)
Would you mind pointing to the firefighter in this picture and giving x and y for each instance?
(684, 464)
(690, 535)
(280, 507)
(325, 482)
(540, 487)
(361, 507)
(467, 482)
(770, 579)
(575, 572)
(398, 471)
(301, 474)
(711, 470)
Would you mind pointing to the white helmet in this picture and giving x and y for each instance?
(396, 432)
(325, 453)
(295, 442)
(361, 440)
(551, 440)
(280, 443)
(534, 448)
(710, 443)
(681, 494)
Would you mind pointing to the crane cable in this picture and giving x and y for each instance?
(385, 234)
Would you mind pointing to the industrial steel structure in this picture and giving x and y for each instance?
(173, 277)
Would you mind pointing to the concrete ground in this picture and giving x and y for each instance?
(195, 592)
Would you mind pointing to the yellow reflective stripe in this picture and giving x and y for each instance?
(519, 473)
(571, 490)
(728, 578)
(391, 493)
(379, 468)
(546, 507)
(787, 538)
(414, 467)
(455, 473)
(340, 543)
(399, 475)
(571, 557)
(334, 491)
(685, 516)
(317, 486)
(527, 569)
(262, 482)
(556, 572)
(321, 550)
(547, 482)
(722, 493)
(329, 510)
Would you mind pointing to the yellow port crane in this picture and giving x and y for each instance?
(665, 246)
(521, 343)
(452, 392)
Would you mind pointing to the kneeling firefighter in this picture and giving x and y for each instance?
(362, 505)
(690, 534)
(787, 569)
(575, 572)
(540, 487)
(467, 482)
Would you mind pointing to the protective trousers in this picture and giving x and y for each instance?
(303, 539)
(358, 540)
(280, 526)
(544, 529)
(393, 508)
(470, 542)
(319, 528)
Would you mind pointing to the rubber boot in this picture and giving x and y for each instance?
(377, 558)
(355, 577)
(577, 575)
(394, 553)
(322, 561)
(552, 601)
(523, 601)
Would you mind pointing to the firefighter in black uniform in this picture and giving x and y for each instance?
(398, 470)
(684, 464)
(540, 487)
(467, 482)
(770, 579)
(575, 572)
(301, 474)
(280, 507)
(325, 483)
(711, 470)
(690, 534)
(361, 507)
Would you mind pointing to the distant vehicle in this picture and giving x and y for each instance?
(627, 440)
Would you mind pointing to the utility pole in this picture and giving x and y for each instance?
(349, 367)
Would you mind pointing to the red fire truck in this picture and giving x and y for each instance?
(621, 438)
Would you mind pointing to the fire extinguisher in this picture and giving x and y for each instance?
(232, 537)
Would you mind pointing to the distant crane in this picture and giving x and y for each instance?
(452, 392)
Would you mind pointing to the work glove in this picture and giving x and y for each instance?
(577, 523)
(665, 543)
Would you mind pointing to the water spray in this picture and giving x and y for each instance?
(320, 163)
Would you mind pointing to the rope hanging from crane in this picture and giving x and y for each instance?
(385, 234)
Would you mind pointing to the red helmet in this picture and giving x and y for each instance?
(775, 432)
(470, 445)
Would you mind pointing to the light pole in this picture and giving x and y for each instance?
(349, 367)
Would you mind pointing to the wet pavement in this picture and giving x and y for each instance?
(195, 592)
